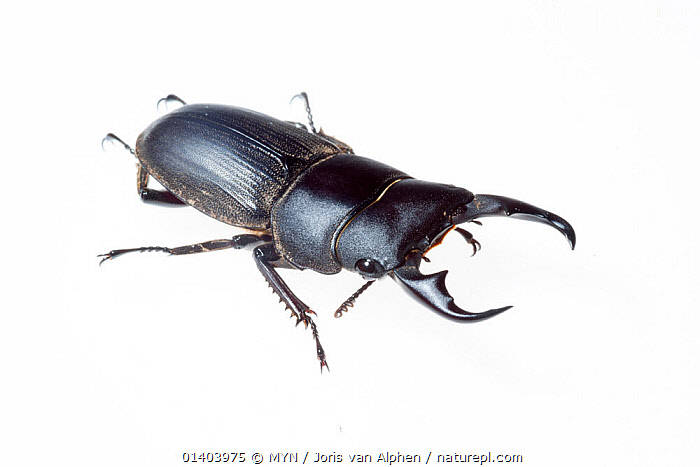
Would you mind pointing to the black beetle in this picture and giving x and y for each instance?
(311, 202)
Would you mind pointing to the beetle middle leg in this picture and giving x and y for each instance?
(237, 242)
(267, 259)
(305, 98)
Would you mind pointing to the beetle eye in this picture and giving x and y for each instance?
(365, 265)
(369, 267)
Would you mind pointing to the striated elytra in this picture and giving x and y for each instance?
(309, 202)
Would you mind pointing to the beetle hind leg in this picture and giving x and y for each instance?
(148, 195)
(151, 196)
(112, 138)
(267, 259)
(167, 100)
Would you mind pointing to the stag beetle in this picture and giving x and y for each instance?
(310, 202)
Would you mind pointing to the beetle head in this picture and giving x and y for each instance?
(410, 215)
(392, 235)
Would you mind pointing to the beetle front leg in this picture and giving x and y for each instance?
(267, 258)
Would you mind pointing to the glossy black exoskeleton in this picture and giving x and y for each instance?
(310, 202)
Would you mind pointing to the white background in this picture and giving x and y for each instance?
(588, 109)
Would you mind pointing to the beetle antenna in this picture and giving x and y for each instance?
(303, 96)
(111, 137)
(351, 301)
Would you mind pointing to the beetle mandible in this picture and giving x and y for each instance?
(311, 203)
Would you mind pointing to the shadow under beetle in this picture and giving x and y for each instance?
(311, 203)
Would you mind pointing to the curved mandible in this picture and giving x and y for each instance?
(493, 205)
(430, 290)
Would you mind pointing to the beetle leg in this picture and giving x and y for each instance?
(148, 195)
(267, 258)
(168, 99)
(304, 97)
(111, 137)
(344, 147)
(238, 242)
(151, 196)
